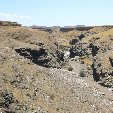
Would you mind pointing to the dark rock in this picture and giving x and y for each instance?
(77, 50)
(111, 61)
(39, 57)
(42, 57)
(73, 41)
(95, 75)
(94, 49)
(60, 55)
(7, 99)
(81, 36)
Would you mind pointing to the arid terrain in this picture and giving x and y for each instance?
(56, 70)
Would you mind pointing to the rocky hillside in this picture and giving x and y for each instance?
(43, 71)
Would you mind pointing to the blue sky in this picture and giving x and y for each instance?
(57, 12)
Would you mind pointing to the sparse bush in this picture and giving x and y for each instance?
(82, 74)
(70, 68)
(63, 47)
(52, 97)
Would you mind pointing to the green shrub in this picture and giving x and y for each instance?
(82, 74)
(70, 68)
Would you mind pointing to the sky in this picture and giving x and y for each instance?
(57, 12)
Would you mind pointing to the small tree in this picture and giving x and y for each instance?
(82, 74)
(70, 68)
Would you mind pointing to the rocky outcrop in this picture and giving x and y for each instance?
(101, 73)
(94, 49)
(96, 75)
(42, 57)
(8, 104)
(111, 61)
(39, 57)
(78, 50)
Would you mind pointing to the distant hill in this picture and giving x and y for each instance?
(8, 23)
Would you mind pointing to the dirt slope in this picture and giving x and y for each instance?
(26, 87)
